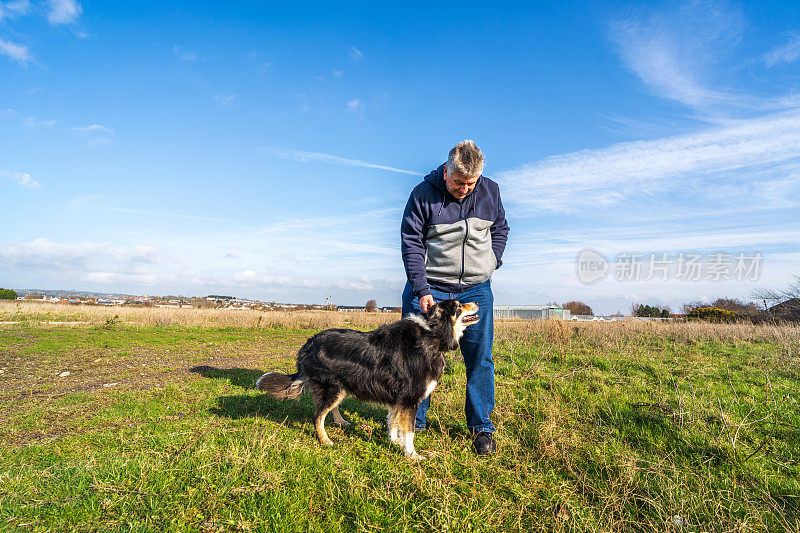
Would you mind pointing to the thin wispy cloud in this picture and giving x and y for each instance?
(10, 10)
(185, 55)
(18, 52)
(63, 11)
(787, 53)
(35, 124)
(609, 176)
(96, 134)
(355, 53)
(676, 49)
(93, 128)
(309, 157)
(8, 112)
(23, 179)
(337, 73)
(355, 106)
(687, 236)
(94, 202)
(225, 99)
(255, 56)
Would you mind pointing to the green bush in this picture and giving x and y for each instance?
(712, 314)
(7, 294)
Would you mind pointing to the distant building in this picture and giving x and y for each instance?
(528, 312)
(594, 318)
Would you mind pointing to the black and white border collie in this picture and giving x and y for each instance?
(397, 366)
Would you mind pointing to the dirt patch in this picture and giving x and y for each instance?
(28, 375)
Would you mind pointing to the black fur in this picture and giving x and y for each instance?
(392, 366)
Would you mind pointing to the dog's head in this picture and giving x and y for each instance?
(454, 316)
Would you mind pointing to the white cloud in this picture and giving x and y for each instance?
(337, 74)
(225, 99)
(768, 147)
(306, 157)
(35, 124)
(355, 53)
(96, 134)
(99, 262)
(355, 106)
(93, 128)
(788, 53)
(676, 51)
(9, 10)
(253, 280)
(8, 112)
(18, 52)
(63, 11)
(23, 179)
(185, 55)
(92, 202)
(280, 261)
(118, 278)
(45, 252)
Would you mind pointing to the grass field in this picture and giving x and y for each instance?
(627, 427)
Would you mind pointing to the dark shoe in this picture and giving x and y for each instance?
(484, 443)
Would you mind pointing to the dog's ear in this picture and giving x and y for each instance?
(434, 311)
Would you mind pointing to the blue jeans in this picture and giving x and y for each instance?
(476, 347)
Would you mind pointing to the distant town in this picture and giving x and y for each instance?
(720, 310)
(211, 301)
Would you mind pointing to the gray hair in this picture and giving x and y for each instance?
(466, 160)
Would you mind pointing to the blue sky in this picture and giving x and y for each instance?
(267, 150)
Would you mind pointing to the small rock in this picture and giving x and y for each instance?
(64, 374)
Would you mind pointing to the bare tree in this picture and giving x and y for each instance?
(578, 308)
(371, 306)
(782, 304)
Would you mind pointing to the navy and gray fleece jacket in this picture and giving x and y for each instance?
(451, 244)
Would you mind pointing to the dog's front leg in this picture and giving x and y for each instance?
(406, 422)
(338, 419)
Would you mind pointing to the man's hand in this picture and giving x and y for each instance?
(426, 302)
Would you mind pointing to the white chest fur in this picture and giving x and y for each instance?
(431, 386)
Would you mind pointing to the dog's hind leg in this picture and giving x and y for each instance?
(326, 399)
(395, 434)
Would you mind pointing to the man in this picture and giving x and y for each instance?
(453, 235)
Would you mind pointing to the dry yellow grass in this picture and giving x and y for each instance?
(555, 332)
(47, 313)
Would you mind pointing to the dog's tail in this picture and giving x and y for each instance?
(281, 386)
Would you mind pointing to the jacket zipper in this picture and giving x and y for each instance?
(463, 248)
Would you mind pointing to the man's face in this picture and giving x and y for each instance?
(458, 185)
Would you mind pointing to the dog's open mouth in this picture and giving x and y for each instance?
(470, 318)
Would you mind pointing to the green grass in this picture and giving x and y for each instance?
(596, 432)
